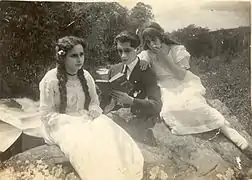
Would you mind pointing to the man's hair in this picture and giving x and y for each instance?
(127, 36)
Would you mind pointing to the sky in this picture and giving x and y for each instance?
(175, 14)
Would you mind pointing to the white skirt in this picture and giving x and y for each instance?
(185, 110)
(97, 149)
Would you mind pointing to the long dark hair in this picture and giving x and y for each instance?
(62, 47)
(151, 31)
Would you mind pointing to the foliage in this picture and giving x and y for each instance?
(222, 60)
(27, 41)
(201, 42)
(228, 82)
(29, 31)
(139, 15)
(188, 32)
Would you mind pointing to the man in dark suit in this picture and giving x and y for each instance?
(144, 99)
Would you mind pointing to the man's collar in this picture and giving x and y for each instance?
(132, 64)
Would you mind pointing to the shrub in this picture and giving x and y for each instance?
(29, 31)
(228, 82)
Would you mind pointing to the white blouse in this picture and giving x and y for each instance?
(178, 53)
(50, 96)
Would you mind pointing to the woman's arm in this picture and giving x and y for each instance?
(176, 70)
(146, 58)
(174, 62)
(47, 102)
(181, 56)
(48, 91)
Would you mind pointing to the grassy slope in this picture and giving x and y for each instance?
(229, 82)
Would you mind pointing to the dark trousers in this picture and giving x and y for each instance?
(139, 128)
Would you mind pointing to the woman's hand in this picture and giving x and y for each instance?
(162, 55)
(161, 52)
(94, 114)
(109, 107)
(143, 65)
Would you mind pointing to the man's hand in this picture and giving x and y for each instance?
(122, 97)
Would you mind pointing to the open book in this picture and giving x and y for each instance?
(118, 82)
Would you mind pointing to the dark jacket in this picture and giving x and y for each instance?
(148, 101)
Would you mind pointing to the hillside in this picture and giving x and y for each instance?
(215, 43)
(226, 73)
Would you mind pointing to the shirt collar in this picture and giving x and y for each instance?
(132, 65)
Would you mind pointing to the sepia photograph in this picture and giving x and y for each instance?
(125, 90)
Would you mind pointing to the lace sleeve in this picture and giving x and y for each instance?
(49, 115)
(181, 56)
(94, 103)
(46, 89)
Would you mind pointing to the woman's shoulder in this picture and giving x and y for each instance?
(179, 50)
(49, 80)
(178, 47)
(87, 74)
(50, 76)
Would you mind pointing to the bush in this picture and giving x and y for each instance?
(228, 82)
(29, 31)
(222, 59)
(28, 35)
(201, 42)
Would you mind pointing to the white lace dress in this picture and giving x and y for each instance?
(98, 149)
(184, 110)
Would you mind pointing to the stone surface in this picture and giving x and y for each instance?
(194, 157)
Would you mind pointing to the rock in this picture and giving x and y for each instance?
(194, 157)
(11, 103)
(45, 161)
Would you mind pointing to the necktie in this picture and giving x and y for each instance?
(125, 70)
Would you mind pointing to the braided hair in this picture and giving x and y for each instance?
(62, 47)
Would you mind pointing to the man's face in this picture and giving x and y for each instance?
(126, 52)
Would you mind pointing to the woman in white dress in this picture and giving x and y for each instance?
(97, 147)
(185, 109)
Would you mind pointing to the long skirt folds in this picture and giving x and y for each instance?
(98, 149)
(185, 109)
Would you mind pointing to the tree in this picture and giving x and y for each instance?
(29, 30)
(99, 24)
(189, 32)
(139, 15)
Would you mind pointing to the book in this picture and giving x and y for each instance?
(118, 82)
